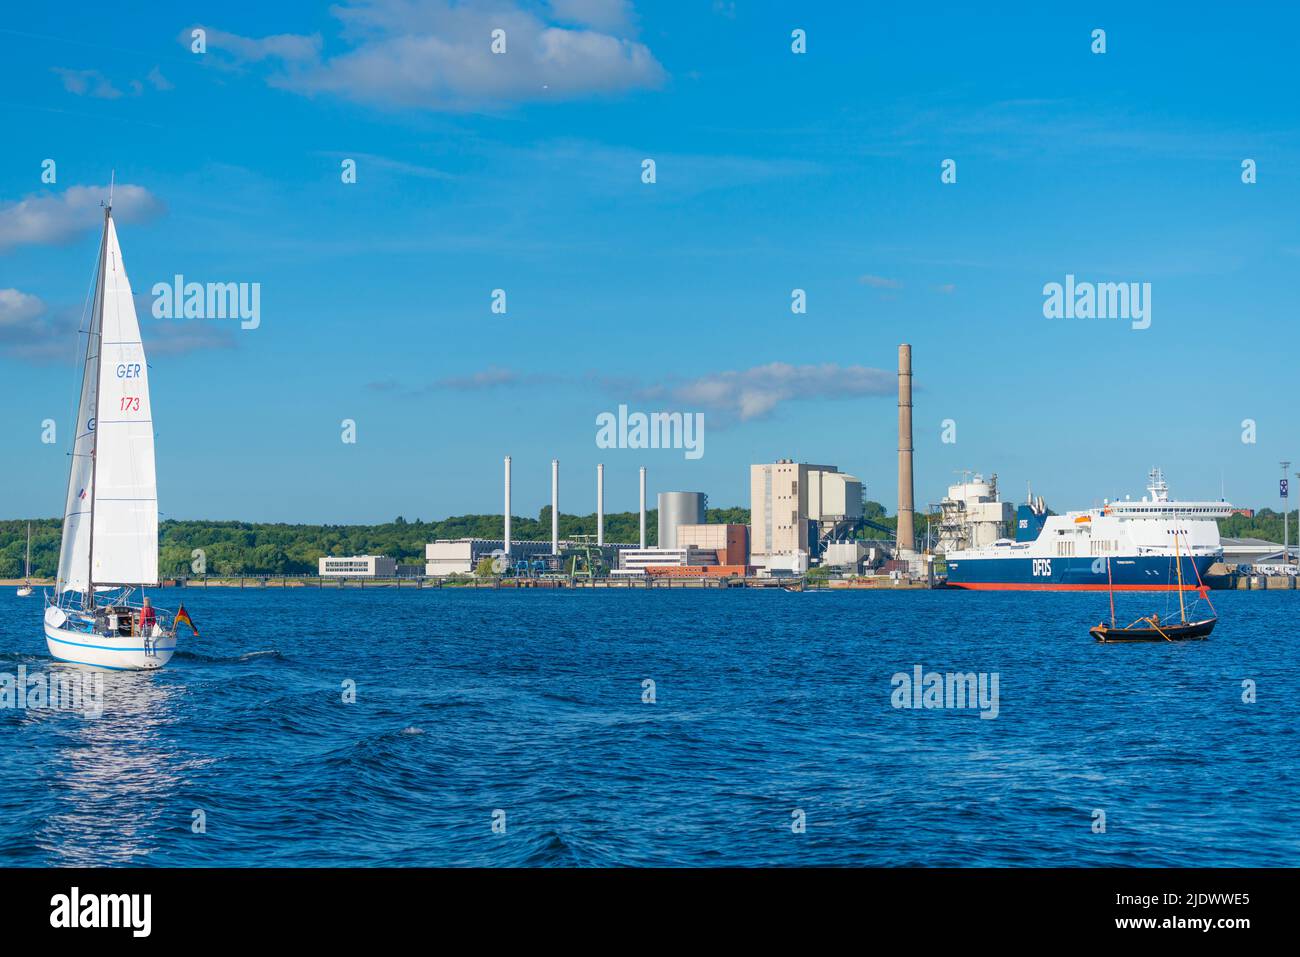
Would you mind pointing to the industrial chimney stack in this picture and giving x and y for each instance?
(600, 504)
(643, 508)
(906, 536)
(507, 528)
(555, 506)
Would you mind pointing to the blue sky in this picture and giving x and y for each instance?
(775, 171)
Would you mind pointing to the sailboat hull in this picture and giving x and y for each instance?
(111, 652)
(1178, 631)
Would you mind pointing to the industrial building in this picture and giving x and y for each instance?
(357, 566)
(679, 508)
(799, 513)
(730, 542)
(971, 515)
(637, 561)
(460, 556)
(795, 508)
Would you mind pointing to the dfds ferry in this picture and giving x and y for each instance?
(1070, 551)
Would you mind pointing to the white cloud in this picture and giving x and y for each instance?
(157, 80)
(31, 331)
(614, 16)
(95, 84)
(18, 308)
(880, 282)
(741, 395)
(435, 55)
(60, 217)
(755, 393)
(88, 83)
(287, 47)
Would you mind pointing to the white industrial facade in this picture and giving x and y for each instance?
(357, 566)
(634, 561)
(461, 556)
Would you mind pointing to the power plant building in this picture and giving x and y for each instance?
(730, 542)
(793, 505)
(357, 566)
(971, 516)
(679, 508)
(639, 561)
(461, 556)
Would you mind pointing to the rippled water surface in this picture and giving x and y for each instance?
(766, 702)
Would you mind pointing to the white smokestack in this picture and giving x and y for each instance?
(643, 506)
(555, 506)
(600, 504)
(507, 532)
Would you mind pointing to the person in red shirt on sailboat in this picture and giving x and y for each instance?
(147, 618)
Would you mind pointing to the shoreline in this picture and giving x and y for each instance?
(865, 583)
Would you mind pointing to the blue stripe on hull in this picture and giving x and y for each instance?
(1144, 572)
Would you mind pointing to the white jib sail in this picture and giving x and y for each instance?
(117, 422)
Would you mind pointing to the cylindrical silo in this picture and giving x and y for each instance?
(679, 508)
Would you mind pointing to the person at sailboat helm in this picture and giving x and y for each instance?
(147, 618)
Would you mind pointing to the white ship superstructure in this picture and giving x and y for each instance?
(1132, 545)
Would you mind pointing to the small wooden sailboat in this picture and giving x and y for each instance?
(25, 588)
(110, 521)
(1152, 628)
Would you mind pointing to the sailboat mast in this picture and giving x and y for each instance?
(1182, 608)
(1110, 587)
(27, 565)
(97, 335)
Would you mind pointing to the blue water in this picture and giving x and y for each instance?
(767, 701)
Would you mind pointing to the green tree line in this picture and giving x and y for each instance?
(261, 548)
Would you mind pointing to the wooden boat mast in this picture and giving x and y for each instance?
(1182, 607)
(1110, 586)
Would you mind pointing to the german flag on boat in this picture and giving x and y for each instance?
(183, 618)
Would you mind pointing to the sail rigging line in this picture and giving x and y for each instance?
(99, 382)
(1201, 590)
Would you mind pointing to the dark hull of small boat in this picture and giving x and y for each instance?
(1192, 631)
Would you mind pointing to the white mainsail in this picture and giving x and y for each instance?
(112, 474)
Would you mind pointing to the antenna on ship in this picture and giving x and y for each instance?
(112, 176)
(1158, 489)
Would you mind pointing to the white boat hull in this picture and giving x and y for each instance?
(113, 652)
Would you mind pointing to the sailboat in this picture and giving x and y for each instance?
(1152, 628)
(25, 588)
(109, 549)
